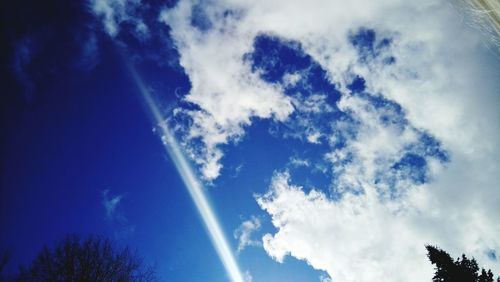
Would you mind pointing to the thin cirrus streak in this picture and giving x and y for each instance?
(192, 184)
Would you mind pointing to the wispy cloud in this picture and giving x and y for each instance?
(298, 162)
(245, 232)
(248, 276)
(21, 59)
(114, 214)
(114, 12)
(237, 170)
(110, 204)
(89, 54)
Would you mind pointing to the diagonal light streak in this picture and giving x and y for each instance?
(192, 184)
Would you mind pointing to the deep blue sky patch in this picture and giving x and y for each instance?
(369, 47)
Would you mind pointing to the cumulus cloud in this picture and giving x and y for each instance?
(413, 156)
(361, 238)
(225, 89)
(222, 80)
(245, 231)
(380, 147)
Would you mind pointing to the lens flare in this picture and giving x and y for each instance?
(191, 182)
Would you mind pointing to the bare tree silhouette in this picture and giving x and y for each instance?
(92, 259)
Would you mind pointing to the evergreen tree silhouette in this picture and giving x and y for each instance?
(461, 270)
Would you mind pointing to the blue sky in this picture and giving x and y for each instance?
(332, 140)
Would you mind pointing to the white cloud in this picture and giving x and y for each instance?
(224, 87)
(244, 233)
(372, 147)
(314, 137)
(447, 85)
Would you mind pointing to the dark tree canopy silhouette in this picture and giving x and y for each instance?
(92, 259)
(460, 270)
